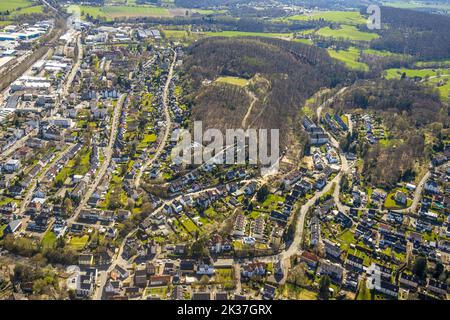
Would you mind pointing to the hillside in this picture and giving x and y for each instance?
(281, 74)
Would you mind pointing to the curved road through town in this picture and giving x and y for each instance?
(107, 161)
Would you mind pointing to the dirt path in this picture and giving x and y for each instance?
(249, 110)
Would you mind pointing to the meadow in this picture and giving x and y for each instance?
(247, 34)
(396, 73)
(233, 80)
(127, 11)
(346, 17)
(382, 53)
(11, 5)
(185, 34)
(436, 78)
(349, 58)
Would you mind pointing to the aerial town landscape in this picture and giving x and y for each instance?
(94, 96)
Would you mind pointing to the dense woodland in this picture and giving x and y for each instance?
(282, 75)
(420, 34)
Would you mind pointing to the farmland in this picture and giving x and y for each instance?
(347, 17)
(247, 34)
(129, 11)
(11, 5)
(396, 73)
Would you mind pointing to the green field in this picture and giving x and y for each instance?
(233, 80)
(10, 5)
(382, 53)
(18, 7)
(443, 85)
(128, 11)
(347, 32)
(247, 34)
(347, 17)
(349, 58)
(158, 291)
(206, 12)
(396, 73)
(185, 34)
(49, 240)
(28, 10)
(417, 5)
(431, 64)
(306, 41)
(78, 243)
(438, 78)
(2, 227)
(148, 138)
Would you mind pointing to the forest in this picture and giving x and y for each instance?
(281, 74)
(413, 116)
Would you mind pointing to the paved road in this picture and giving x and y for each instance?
(137, 181)
(18, 144)
(105, 165)
(40, 178)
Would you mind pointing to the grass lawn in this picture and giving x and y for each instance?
(390, 203)
(348, 17)
(346, 238)
(159, 291)
(347, 32)
(417, 5)
(225, 277)
(443, 86)
(431, 64)
(111, 12)
(247, 34)
(238, 245)
(148, 138)
(10, 5)
(206, 12)
(349, 58)
(78, 243)
(363, 292)
(233, 80)
(2, 227)
(383, 53)
(306, 41)
(189, 225)
(271, 202)
(49, 240)
(396, 73)
(28, 10)
(5, 200)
